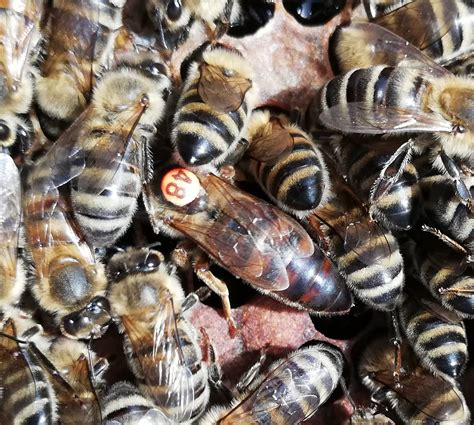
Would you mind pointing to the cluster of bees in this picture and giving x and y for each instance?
(370, 196)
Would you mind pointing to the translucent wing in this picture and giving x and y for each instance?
(19, 32)
(272, 142)
(168, 377)
(150, 417)
(225, 93)
(356, 117)
(10, 211)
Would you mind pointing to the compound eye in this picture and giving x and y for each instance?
(4, 131)
(153, 261)
(174, 10)
(117, 271)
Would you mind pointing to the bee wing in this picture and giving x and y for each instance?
(287, 390)
(114, 153)
(19, 31)
(440, 312)
(419, 389)
(356, 117)
(222, 93)
(274, 142)
(10, 209)
(151, 417)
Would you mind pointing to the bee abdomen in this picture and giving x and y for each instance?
(201, 134)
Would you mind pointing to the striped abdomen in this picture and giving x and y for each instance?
(297, 182)
(104, 202)
(445, 210)
(382, 85)
(441, 345)
(368, 256)
(153, 380)
(399, 208)
(295, 387)
(201, 134)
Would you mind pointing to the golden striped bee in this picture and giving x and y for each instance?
(80, 36)
(437, 335)
(417, 396)
(12, 274)
(125, 404)
(286, 163)
(214, 107)
(291, 391)
(161, 346)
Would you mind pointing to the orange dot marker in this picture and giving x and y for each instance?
(180, 186)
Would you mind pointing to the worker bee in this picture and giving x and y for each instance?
(437, 335)
(286, 163)
(248, 237)
(162, 347)
(441, 29)
(26, 395)
(173, 18)
(20, 38)
(125, 404)
(214, 107)
(290, 392)
(12, 276)
(80, 38)
(75, 391)
(112, 140)
(443, 266)
(362, 161)
(366, 254)
(413, 394)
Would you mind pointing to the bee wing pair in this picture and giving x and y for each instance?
(249, 237)
(168, 368)
(357, 117)
(10, 210)
(222, 92)
(17, 33)
(152, 416)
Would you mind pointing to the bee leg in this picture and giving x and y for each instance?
(396, 341)
(392, 170)
(454, 173)
(237, 154)
(248, 377)
(201, 268)
(448, 241)
(223, 22)
(191, 299)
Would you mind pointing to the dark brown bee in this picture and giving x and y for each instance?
(162, 347)
(26, 394)
(286, 163)
(290, 392)
(12, 275)
(80, 38)
(366, 253)
(437, 335)
(417, 396)
(125, 404)
(248, 237)
(214, 107)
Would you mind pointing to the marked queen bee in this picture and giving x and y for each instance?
(248, 237)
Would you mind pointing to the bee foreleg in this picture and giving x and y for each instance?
(248, 377)
(191, 299)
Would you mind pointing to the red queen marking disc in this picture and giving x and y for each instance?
(180, 186)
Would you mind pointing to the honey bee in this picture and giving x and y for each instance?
(443, 266)
(12, 276)
(20, 38)
(362, 161)
(437, 335)
(162, 347)
(286, 163)
(418, 397)
(76, 395)
(112, 139)
(80, 38)
(290, 392)
(214, 107)
(248, 237)
(441, 29)
(173, 18)
(124, 404)
(26, 395)
(365, 253)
